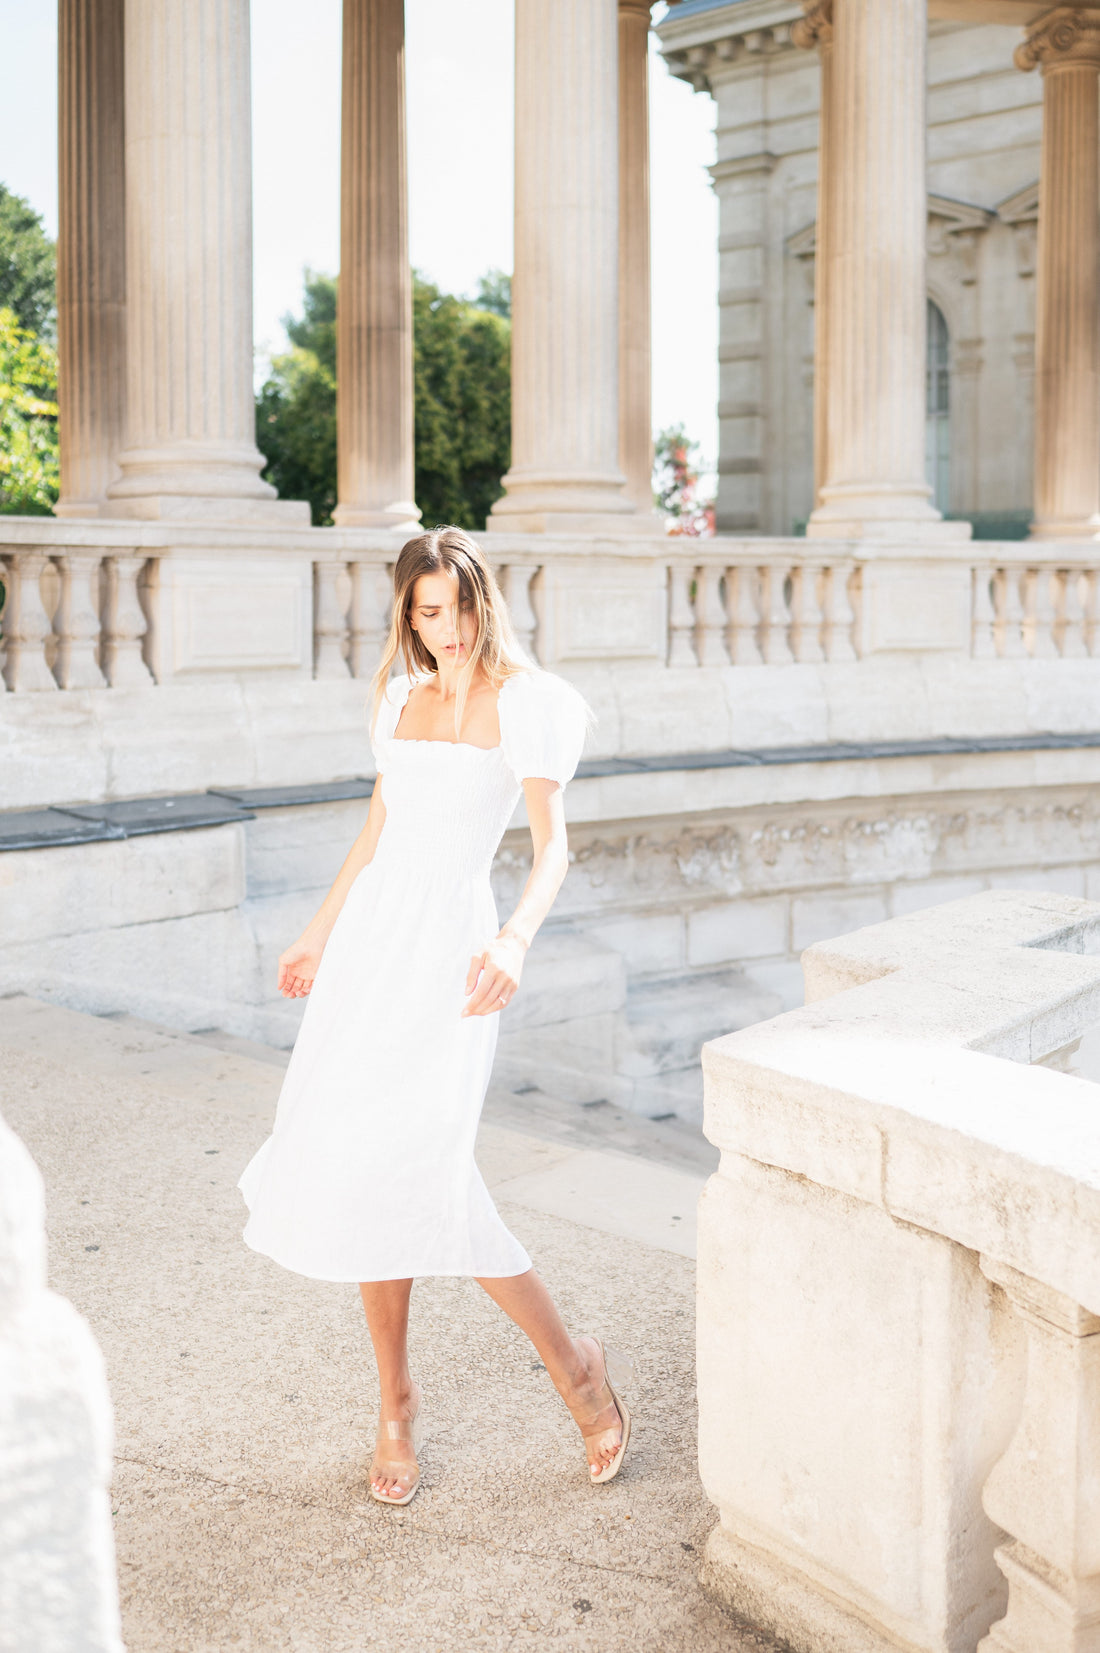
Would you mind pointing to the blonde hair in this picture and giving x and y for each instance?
(495, 648)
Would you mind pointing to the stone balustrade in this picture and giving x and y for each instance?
(142, 608)
(899, 1290)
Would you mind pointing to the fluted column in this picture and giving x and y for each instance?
(816, 29)
(91, 252)
(635, 351)
(1066, 45)
(374, 324)
(565, 471)
(190, 448)
(875, 311)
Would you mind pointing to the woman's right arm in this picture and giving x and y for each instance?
(298, 965)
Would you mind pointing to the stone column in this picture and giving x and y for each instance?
(816, 29)
(374, 326)
(635, 353)
(91, 252)
(1066, 45)
(190, 423)
(875, 323)
(565, 471)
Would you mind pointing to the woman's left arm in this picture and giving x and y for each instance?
(493, 977)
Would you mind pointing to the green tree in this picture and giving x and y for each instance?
(28, 420)
(296, 407)
(462, 383)
(28, 265)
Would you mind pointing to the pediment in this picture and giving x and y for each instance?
(952, 218)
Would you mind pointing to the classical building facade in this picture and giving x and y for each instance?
(796, 734)
(984, 126)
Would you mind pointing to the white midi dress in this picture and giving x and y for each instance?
(369, 1172)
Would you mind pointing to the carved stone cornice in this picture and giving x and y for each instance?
(1067, 37)
(816, 28)
(701, 63)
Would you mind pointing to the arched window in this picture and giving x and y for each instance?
(937, 437)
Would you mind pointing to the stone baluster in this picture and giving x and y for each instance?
(710, 616)
(840, 618)
(1092, 611)
(369, 614)
(1041, 615)
(26, 624)
(983, 645)
(124, 625)
(681, 616)
(776, 614)
(330, 618)
(744, 612)
(1011, 589)
(1065, 43)
(77, 621)
(807, 616)
(1071, 614)
(1044, 1491)
(516, 582)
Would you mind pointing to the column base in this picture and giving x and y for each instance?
(922, 530)
(603, 524)
(1080, 528)
(402, 517)
(276, 513)
(79, 510)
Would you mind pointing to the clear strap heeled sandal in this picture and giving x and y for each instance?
(619, 1371)
(406, 1476)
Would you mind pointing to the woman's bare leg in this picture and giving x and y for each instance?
(387, 1306)
(574, 1364)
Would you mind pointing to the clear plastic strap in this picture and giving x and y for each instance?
(400, 1429)
(620, 1368)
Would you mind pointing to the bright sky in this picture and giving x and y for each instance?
(459, 78)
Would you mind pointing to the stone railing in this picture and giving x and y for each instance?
(1043, 611)
(116, 605)
(899, 1291)
(57, 1579)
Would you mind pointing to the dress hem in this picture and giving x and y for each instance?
(377, 1279)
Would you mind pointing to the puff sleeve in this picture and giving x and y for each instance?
(543, 724)
(394, 698)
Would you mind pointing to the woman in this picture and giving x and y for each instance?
(369, 1173)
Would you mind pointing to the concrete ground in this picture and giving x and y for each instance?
(244, 1395)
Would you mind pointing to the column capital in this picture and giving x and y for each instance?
(816, 28)
(638, 8)
(1066, 38)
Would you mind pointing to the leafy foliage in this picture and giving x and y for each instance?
(676, 484)
(462, 381)
(296, 407)
(463, 384)
(29, 469)
(28, 265)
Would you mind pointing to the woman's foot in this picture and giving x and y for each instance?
(593, 1407)
(394, 1471)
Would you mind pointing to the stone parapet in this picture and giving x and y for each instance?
(906, 1203)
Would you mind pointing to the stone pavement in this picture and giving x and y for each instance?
(244, 1395)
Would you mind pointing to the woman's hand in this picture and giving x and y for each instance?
(493, 976)
(298, 966)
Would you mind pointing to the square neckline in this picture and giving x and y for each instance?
(436, 740)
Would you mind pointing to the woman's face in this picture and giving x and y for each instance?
(432, 615)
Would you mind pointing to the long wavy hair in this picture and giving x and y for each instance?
(496, 649)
